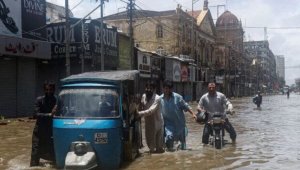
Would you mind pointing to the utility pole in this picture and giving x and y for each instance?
(101, 41)
(130, 13)
(193, 49)
(82, 46)
(265, 34)
(217, 6)
(67, 38)
(192, 39)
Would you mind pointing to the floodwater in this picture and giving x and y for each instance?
(268, 138)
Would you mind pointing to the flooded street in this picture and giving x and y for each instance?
(267, 139)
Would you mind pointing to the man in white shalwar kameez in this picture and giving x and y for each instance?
(153, 119)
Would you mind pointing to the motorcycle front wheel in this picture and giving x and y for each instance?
(218, 142)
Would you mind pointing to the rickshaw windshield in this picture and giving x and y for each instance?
(88, 102)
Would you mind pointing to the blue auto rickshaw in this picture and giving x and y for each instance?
(95, 125)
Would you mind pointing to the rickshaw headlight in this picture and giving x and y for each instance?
(80, 148)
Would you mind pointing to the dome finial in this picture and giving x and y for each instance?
(205, 6)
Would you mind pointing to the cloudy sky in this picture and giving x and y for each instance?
(281, 17)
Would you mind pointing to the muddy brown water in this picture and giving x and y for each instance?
(268, 138)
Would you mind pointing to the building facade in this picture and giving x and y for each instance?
(22, 49)
(234, 65)
(280, 69)
(56, 13)
(176, 33)
(264, 63)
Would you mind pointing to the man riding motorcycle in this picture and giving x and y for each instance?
(215, 102)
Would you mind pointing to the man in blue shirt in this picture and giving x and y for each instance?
(172, 107)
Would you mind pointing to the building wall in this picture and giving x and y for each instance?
(124, 52)
(145, 33)
(177, 36)
(55, 13)
(266, 63)
(280, 65)
(231, 60)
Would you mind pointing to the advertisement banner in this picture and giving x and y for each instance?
(34, 19)
(23, 18)
(11, 22)
(184, 73)
(144, 64)
(176, 71)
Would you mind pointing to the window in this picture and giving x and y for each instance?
(88, 102)
(159, 31)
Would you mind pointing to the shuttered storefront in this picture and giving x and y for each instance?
(26, 85)
(8, 97)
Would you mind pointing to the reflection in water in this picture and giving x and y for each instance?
(267, 139)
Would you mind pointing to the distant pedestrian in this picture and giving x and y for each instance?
(172, 109)
(151, 111)
(42, 141)
(257, 99)
(288, 93)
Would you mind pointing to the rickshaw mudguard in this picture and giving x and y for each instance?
(104, 135)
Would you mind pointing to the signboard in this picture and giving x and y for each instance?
(91, 41)
(23, 18)
(220, 79)
(34, 19)
(56, 35)
(24, 47)
(110, 41)
(11, 22)
(144, 64)
(155, 67)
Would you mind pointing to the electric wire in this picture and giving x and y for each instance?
(76, 5)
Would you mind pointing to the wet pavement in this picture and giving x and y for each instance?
(268, 138)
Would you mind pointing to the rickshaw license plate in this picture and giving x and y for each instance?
(100, 138)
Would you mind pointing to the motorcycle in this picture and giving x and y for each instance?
(217, 135)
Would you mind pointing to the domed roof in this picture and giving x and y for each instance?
(228, 19)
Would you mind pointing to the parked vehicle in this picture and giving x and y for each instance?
(95, 126)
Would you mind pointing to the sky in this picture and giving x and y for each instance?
(281, 17)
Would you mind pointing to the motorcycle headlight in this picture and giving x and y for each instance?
(80, 148)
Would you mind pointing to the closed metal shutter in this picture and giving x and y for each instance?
(8, 99)
(26, 85)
